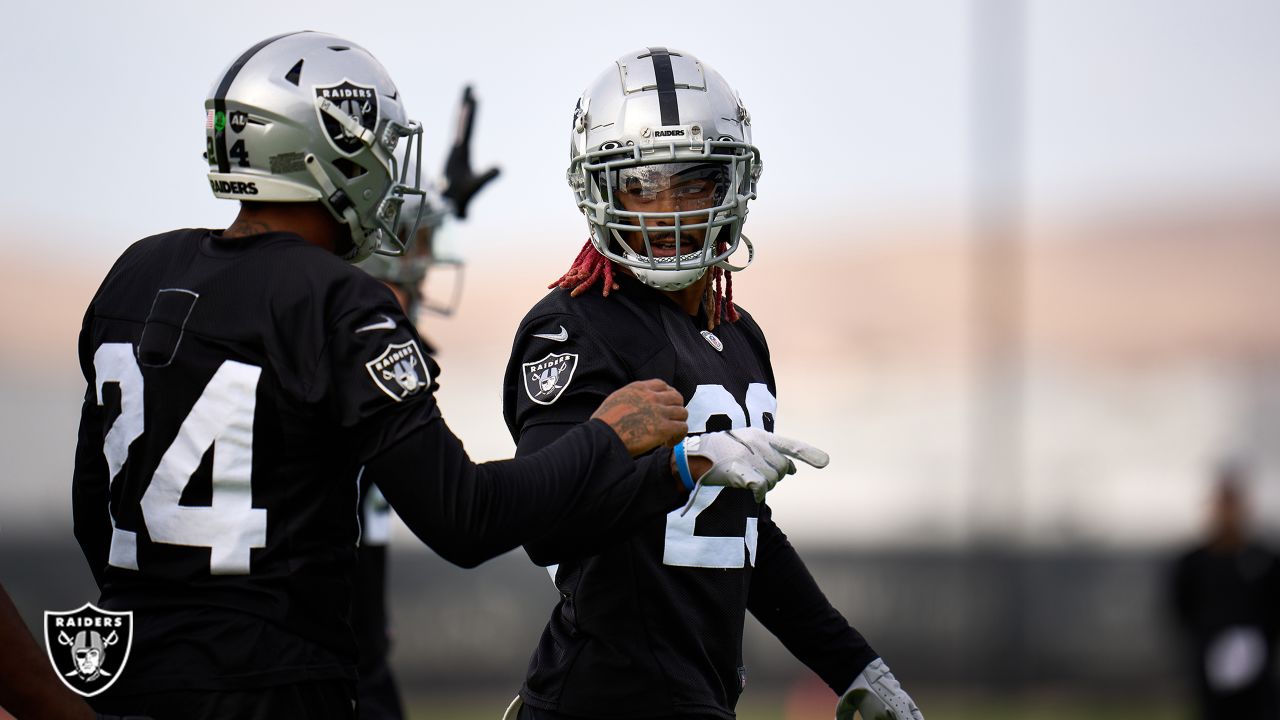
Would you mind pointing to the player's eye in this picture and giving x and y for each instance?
(638, 192)
(692, 190)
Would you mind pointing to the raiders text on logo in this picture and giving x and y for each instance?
(358, 101)
(234, 188)
(88, 646)
(668, 133)
(400, 370)
(546, 379)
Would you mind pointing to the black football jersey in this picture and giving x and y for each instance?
(235, 388)
(650, 618)
(1224, 599)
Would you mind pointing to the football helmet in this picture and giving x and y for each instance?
(313, 117)
(660, 149)
(422, 220)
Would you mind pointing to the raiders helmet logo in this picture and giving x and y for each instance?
(546, 379)
(358, 101)
(88, 647)
(400, 371)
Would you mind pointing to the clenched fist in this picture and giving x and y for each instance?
(645, 414)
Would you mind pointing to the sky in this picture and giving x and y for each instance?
(859, 107)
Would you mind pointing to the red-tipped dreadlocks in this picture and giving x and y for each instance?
(590, 266)
(585, 270)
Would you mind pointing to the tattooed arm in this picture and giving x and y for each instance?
(469, 513)
(645, 414)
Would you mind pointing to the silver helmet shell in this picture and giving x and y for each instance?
(658, 107)
(313, 117)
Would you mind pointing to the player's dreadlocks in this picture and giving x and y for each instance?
(590, 267)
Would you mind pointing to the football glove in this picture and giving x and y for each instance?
(461, 182)
(749, 458)
(876, 695)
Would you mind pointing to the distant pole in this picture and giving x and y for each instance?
(998, 67)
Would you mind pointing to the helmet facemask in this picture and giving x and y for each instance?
(373, 222)
(698, 190)
(428, 274)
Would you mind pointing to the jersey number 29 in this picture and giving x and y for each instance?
(683, 547)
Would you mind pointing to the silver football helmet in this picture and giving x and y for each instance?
(313, 117)
(421, 223)
(660, 153)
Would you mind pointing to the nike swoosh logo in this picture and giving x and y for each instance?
(558, 337)
(386, 324)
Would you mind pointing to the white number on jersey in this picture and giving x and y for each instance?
(114, 363)
(222, 418)
(683, 547)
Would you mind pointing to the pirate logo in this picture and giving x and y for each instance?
(400, 371)
(239, 120)
(358, 102)
(88, 647)
(546, 379)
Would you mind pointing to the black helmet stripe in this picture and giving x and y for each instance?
(666, 81)
(220, 100)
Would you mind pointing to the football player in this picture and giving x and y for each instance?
(650, 617)
(240, 381)
(378, 695)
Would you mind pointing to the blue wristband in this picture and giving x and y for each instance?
(682, 464)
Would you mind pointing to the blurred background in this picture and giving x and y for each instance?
(1018, 264)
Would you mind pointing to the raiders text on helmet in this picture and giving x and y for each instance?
(656, 120)
(312, 117)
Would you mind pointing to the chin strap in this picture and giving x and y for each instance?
(751, 256)
(337, 202)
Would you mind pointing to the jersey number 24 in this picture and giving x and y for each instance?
(223, 417)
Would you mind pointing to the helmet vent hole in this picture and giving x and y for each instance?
(724, 138)
(295, 75)
(611, 145)
(348, 168)
(338, 48)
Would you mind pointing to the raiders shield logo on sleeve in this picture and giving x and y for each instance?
(546, 379)
(400, 371)
(88, 646)
(358, 101)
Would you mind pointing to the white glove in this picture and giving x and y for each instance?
(749, 458)
(876, 695)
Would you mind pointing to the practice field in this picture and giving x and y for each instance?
(935, 706)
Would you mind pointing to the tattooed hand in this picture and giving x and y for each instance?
(645, 414)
